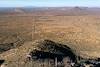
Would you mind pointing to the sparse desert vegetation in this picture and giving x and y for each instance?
(21, 33)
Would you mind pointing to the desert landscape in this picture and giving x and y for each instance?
(50, 37)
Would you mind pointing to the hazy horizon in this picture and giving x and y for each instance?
(50, 3)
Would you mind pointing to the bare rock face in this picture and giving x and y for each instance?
(44, 53)
(52, 54)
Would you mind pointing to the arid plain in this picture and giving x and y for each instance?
(80, 32)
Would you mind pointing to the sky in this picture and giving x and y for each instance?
(49, 3)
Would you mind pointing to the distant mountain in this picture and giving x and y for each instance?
(52, 10)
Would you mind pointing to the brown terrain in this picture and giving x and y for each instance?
(26, 30)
